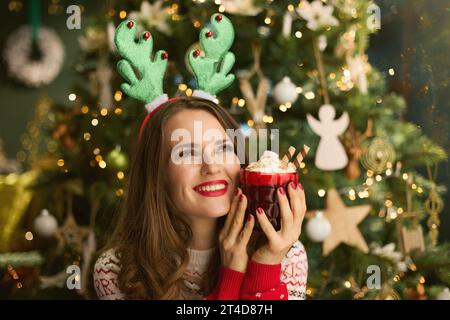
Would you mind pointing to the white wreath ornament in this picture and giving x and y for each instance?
(34, 73)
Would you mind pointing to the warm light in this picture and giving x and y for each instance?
(388, 203)
(378, 178)
(310, 95)
(72, 96)
(197, 24)
(347, 284)
(282, 108)
(288, 105)
(414, 186)
(422, 280)
(189, 92)
(321, 193)
(299, 90)
(119, 192)
(182, 87)
(369, 173)
(94, 122)
(118, 111)
(84, 109)
(391, 71)
(369, 181)
(87, 136)
(267, 20)
(235, 100)
(251, 123)
(332, 76)
(98, 158)
(60, 162)
(118, 95)
(218, 2)
(388, 172)
(96, 151)
(221, 8)
(102, 164)
(216, 101)
(400, 210)
(405, 176)
(290, 8)
(29, 236)
(122, 14)
(120, 175)
(298, 34)
(104, 111)
(419, 190)
(302, 165)
(396, 278)
(241, 102)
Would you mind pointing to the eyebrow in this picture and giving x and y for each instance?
(193, 145)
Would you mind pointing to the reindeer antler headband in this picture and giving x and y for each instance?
(144, 75)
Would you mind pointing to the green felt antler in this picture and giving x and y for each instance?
(212, 69)
(143, 76)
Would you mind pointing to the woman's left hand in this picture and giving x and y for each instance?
(292, 214)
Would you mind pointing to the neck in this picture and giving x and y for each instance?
(203, 233)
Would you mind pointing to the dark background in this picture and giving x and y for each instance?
(414, 40)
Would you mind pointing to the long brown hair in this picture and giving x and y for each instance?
(151, 237)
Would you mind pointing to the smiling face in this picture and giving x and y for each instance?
(203, 170)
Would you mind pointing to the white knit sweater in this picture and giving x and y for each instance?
(294, 272)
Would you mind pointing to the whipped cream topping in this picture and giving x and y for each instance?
(269, 162)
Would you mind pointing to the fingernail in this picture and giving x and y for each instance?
(281, 189)
(249, 218)
(260, 210)
(236, 191)
(300, 186)
(293, 185)
(241, 197)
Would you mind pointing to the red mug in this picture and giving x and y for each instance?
(261, 191)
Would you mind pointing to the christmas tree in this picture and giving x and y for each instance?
(302, 68)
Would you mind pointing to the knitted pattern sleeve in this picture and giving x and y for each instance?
(283, 281)
(106, 272)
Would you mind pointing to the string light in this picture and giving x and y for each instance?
(310, 95)
(94, 122)
(119, 192)
(102, 164)
(104, 112)
(298, 34)
(118, 96)
(96, 151)
(197, 24)
(241, 102)
(182, 87)
(221, 8)
(321, 193)
(282, 108)
(72, 97)
(251, 123)
(84, 109)
(29, 236)
(120, 175)
(118, 111)
(122, 14)
(189, 92)
(87, 136)
(267, 20)
(60, 162)
(391, 72)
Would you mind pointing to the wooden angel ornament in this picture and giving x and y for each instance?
(330, 154)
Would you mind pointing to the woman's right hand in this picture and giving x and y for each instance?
(234, 236)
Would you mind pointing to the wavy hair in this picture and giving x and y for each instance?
(151, 236)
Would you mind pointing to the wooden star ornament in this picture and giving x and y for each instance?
(344, 223)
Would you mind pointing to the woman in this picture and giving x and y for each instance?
(182, 233)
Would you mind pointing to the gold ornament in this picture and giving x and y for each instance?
(344, 223)
(433, 205)
(378, 155)
(15, 196)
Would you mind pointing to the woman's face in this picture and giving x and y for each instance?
(202, 170)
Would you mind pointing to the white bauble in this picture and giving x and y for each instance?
(285, 91)
(318, 228)
(45, 225)
(444, 295)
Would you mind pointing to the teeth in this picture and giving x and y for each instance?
(214, 187)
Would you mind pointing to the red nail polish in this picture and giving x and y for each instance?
(241, 197)
(249, 218)
(164, 56)
(260, 210)
(281, 189)
(300, 186)
(293, 185)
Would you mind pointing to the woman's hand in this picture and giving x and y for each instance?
(279, 242)
(233, 238)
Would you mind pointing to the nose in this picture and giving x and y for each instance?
(210, 165)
